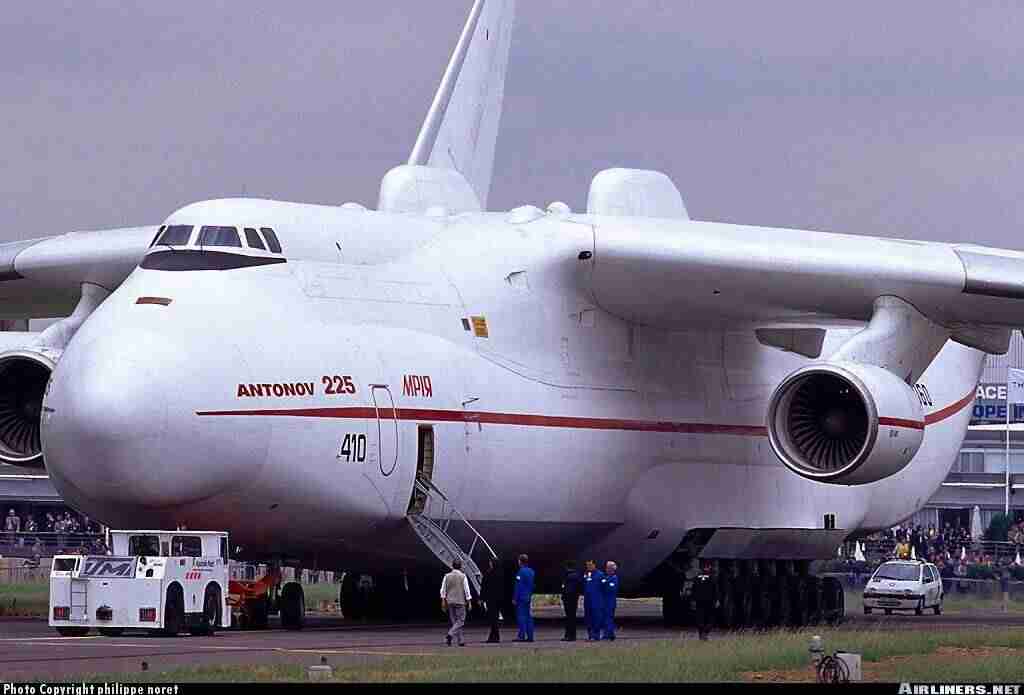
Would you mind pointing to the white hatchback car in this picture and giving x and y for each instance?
(904, 585)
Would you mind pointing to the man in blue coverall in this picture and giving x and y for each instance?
(592, 604)
(609, 597)
(522, 597)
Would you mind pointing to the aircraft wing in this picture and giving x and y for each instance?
(674, 274)
(42, 278)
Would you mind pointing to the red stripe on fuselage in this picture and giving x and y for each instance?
(563, 421)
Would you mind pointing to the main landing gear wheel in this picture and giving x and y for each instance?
(833, 601)
(798, 608)
(72, 631)
(352, 605)
(672, 606)
(744, 603)
(726, 606)
(293, 607)
(815, 609)
(762, 605)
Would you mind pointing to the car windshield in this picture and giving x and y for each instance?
(899, 573)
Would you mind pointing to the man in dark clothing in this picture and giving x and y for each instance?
(705, 597)
(572, 584)
(493, 594)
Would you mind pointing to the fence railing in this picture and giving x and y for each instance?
(26, 544)
(875, 549)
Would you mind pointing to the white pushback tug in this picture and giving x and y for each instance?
(164, 581)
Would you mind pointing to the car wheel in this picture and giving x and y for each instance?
(938, 607)
(920, 608)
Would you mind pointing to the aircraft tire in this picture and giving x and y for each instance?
(72, 631)
(293, 607)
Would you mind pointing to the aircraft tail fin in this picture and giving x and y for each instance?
(460, 131)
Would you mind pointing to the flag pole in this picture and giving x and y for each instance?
(1007, 491)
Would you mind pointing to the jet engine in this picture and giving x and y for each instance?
(23, 378)
(845, 423)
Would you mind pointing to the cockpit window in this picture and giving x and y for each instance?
(219, 236)
(175, 235)
(158, 233)
(253, 239)
(272, 242)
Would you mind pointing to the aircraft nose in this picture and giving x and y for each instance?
(120, 430)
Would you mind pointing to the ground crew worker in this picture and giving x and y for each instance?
(455, 597)
(571, 586)
(705, 596)
(609, 597)
(592, 600)
(522, 598)
(493, 594)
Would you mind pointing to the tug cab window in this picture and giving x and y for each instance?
(219, 236)
(272, 242)
(186, 546)
(144, 545)
(175, 235)
(252, 237)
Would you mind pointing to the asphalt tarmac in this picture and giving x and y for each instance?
(31, 651)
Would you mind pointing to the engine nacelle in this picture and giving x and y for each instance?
(23, 378)
(845, 423)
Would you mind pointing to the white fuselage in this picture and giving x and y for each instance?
(559, 428)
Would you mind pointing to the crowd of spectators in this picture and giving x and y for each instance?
(952, 549)
(48, 531)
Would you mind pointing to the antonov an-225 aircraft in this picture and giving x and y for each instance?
(377, 390)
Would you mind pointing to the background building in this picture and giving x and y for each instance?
(979, 476)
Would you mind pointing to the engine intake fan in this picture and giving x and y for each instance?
(23, 379)
(824, 423)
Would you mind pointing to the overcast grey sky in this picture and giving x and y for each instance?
(894, 119)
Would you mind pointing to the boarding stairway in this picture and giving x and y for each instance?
(434, 519)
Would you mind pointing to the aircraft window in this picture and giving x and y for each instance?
(175, 235)
(144, 545)
(253, 239)
(186, 546)
(219, 236)
(158, 233)
(272, 242)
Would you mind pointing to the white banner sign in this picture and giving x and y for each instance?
(1015, 385)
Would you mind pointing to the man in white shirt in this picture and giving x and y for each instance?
(455, 597)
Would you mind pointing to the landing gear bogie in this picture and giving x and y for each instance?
(762, 595)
